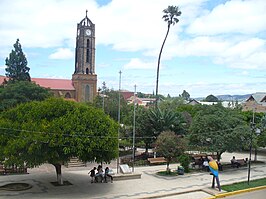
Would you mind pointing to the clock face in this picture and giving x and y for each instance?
(88, 32)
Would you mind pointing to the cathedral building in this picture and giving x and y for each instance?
(83, 86)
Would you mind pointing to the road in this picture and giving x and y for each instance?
(261, 194)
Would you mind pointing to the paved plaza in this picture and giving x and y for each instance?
(192, 185)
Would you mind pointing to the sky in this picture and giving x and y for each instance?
(218, 47)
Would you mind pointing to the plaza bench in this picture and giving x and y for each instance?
(157, 160)
(241, 162)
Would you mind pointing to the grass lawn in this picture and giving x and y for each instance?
(244, 185)
(165, 173)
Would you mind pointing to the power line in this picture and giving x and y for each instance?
(79, 134)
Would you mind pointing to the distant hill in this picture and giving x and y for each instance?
(233, 97)
(238, 98)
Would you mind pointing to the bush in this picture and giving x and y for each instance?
(185, 161)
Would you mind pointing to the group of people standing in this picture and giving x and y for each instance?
(100, 176)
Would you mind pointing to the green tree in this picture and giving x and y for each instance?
(55, 130)
(17, 64)
(164, 120)
(191, 109)
(262, 136)
(170, 16)
(154, 121)
(217, 129)
(185, 95)
(17, 92)
(185, 160)
(170, 146)
(171, 103)
(144, 129)
(211, 98)
(111, 104)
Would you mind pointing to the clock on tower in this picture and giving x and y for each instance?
(84, 78)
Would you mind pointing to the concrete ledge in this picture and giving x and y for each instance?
(128, 176)
(222, 195)
(171, 194)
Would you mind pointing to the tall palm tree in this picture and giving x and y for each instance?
(171, 14)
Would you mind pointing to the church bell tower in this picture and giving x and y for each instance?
(84, 78)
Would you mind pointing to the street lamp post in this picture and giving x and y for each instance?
(118, 119)
(250, 150)
(257, 132)
(134, 129)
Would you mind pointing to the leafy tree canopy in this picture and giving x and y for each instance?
(165, 120)
(17, 64)
(171, 103)
(262, 136)
(55, 130)
(169, 145)
(14, 93)
(111, 102)
(211, 98)
(185, 95)
(218, 129)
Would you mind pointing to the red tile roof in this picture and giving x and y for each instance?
(127, 94)
(54, 84)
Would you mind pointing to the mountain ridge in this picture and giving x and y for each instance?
(229, 97)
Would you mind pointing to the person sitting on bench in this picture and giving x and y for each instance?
(99, 175)
(234, 162)
(106, 174)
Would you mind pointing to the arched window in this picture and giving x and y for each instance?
(67, 95)
(87, 71)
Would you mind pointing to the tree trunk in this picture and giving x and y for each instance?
(58, 173)
(219, 156)
(159, 59)
(167, 167)
(146, 149)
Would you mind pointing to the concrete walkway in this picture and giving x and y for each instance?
(150, 185)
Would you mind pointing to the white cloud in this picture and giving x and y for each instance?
(2, 69)
(244, 73)
(125, 24)
(245, 53)
(49, 76)
(137, 26)
(44, 24)
(248, 54)
(236, 16)
(136, 63)
(103, 65)
(62, 53)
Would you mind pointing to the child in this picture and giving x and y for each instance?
(92, 174)
(106, 174)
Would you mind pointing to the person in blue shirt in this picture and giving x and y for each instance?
(106, 174)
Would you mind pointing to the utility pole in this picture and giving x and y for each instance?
(134, 128)
(118, 119)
